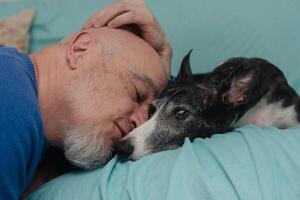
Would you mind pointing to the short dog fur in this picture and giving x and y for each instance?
(239, 91)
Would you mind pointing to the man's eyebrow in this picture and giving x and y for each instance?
(148, 82)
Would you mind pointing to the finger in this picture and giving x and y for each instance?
(123, 19)
(104, 16)
(111, 11)
(88, 23)
(139, 17)
(107, 14)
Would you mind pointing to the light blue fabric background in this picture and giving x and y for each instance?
(249, 164)
(215, 29)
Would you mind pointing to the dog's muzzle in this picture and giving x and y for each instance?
(123, 148)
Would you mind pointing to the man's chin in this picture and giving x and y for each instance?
(85, 163)
(86, 148)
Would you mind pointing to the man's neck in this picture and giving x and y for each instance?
(48, 64)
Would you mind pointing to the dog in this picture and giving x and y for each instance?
(239, 91)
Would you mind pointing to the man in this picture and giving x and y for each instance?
(82, 95)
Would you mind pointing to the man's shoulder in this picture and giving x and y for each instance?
(11, 53)
(16, 71)
(22, 138)
(17, 86)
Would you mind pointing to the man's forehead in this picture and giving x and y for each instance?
(154, 90)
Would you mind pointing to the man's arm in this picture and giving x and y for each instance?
(21, 131)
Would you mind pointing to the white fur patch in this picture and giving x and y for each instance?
(139, 135)
(269, 114)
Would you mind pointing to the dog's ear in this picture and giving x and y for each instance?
(239, 85)
(185, 72)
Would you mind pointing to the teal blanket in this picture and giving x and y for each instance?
(247, 164)
(250, 163)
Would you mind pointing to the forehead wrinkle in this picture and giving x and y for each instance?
(147, 81)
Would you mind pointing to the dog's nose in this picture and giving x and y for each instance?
(124, 148)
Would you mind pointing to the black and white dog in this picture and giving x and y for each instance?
(239, 91)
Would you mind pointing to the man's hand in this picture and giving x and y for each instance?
(126, 12)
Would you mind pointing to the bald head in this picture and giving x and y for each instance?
(127, 76)
(101, 82)
(122, 48)
(125, 47)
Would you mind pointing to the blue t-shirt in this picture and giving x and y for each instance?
(22, 139)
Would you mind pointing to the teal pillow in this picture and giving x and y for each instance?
(250, 163)
(218, 30)
(54, 19)
(214, 29)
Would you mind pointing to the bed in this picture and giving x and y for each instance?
(248, 163)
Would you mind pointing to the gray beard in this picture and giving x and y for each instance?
(85, 147)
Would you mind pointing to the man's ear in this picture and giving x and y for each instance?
(78, 47)
(238, 87)
(185, 72)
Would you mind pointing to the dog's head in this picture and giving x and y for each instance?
(191, 108)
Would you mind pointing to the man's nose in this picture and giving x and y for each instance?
(139, 116)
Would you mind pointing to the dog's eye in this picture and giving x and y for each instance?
(152, 110)
(181, 114)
